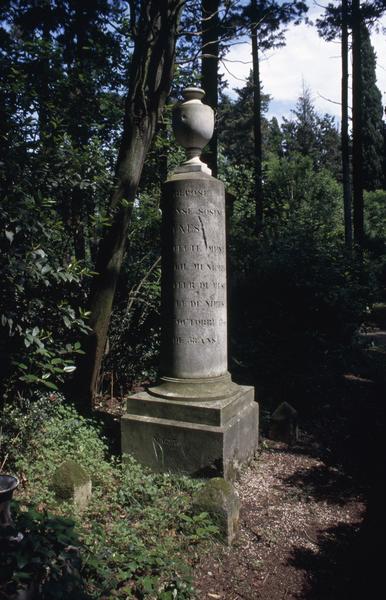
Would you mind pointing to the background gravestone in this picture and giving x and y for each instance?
(195, 420)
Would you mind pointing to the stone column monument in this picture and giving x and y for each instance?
(195, 419)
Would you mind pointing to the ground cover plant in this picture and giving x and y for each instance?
(132, 540)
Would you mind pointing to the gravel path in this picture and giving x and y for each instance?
(299, 523)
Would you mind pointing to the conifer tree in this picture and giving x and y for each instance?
(267, 19)
(372, 112)
(312, 135)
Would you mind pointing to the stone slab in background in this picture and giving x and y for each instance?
(201, 438)
(219, 499)
(71, 482)
(284, 424)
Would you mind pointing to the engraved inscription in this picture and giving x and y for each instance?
(167, 442)
(194, 340)
(195, 322)
(187, 303)
(195, 221)
(215, 303)
(184, 285)
(186, 248)
(188, 228)
(216, 249)
(207, 212)
(196, 193)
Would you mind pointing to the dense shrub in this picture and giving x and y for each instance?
(134, 538)
(294, 314)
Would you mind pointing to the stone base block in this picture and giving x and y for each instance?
(197, 438)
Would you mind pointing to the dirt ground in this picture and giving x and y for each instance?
(301, 532)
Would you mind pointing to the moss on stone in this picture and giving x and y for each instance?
(69, 476)
(214, 492)
(220, 501)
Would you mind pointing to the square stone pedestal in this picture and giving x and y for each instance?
(197, 438)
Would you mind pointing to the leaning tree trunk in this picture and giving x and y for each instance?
(358, 219)
(344, 132)
(209, 69)
(257, 127)
(152, 64)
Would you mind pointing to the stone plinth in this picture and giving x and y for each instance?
(195, 438)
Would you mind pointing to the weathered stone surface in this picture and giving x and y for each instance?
(219, 499)
(71, 482)
(193, 124)
(195, 419)
(194, 306)
(206, 437)
(284, 424)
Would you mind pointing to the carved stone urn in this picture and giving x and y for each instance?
(8, 484)
(193, 124)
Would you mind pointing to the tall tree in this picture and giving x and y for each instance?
(266, 19)
(236, 131)
(344, 130)
(357, 159)
(154, 26)
(209, 69)
(311, 134)
(372, 113)
(337, 21)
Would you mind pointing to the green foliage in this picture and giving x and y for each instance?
(297, 195)
(134, 335)
(298, 308)
(296, 298)
(40, 324)
(56, 159)
(21, 422)
(236, 124)
(46, 559)
(372, 113)
(375, 214)
(312, 135)
(134, 537)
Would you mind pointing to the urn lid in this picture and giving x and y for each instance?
(193, 93)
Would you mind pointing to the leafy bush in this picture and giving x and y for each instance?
(39, 291)
(133, 539)
(375, 214)
(45, 560)
(295, 195)
(21, 422)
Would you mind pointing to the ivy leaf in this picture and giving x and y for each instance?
(9, 235)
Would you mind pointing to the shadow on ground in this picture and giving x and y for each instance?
(347, 562)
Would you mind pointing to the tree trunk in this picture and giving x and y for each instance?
(357, 158)
(257, 125)
(209, 70)
(344, 132)
(151, 71)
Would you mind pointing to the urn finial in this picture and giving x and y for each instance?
(193, 124)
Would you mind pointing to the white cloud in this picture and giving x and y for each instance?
(305, 58)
